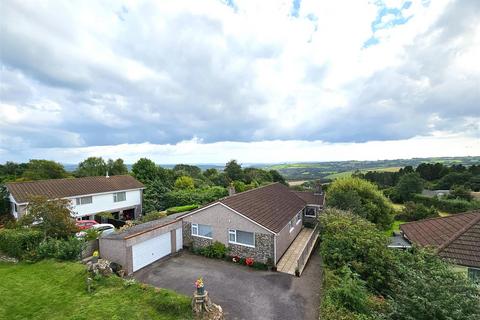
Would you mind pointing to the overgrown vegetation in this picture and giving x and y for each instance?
(366, 280)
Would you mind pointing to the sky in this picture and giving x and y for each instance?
(257, 81)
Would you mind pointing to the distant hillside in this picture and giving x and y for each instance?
(336, 169)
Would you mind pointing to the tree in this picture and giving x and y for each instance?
(117, 167)
(154, 195)
(43, 169)
(453, 178)
(188, 170)
(145, 170)
(416, 211)
(408, 185)
(461, 192)
(93, 166)
(277, 177)
(362, 198)
(349, 240)
(431, 171)
(184, 182)
(52, 217)
(233, 170)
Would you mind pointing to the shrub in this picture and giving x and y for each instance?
(416, 211)
(216, 250)
(447, 205)
(348, 240)
(173, 210)
(92, 234)
(154, 215)
(259, 266)
(69, 249)
(361, 198)
(18, 242)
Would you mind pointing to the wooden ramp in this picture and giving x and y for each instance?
(299, 251)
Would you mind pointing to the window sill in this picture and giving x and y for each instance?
(242, 244)
(309, 216)
(204, 237)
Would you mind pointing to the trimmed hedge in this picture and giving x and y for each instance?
(19, 242)
(447, 205)
(179, 209)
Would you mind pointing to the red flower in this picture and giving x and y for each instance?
(249, 261)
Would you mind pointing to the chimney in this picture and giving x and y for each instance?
(318, 188)
(107, 176)
(231, 190)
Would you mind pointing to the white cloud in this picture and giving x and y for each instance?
(163, 72)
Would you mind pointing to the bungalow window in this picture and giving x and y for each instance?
(15, 207)
(292, 224)
(474, 275)
(83, 200)
(299, 217)
(202, 230)
(119, 196)
(242, 238)
(310, 212)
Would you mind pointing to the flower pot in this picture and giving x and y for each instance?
(201, 290)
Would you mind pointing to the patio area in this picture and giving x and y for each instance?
(299, 251)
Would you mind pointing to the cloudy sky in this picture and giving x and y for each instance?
(259, 81)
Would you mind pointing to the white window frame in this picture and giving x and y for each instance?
(299, 217)
(471, 271)
(80, 201)
(309, 215)
(292, 224)
(234, 233)
(115, 196)
(195, 234)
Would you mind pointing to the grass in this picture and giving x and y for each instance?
(395, 227)
(53, 290)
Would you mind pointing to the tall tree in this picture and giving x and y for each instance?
(408, 185)
(117, 167)
(277, 177)
(43, 169)
(93, 166)
(233, 170)
(188, 170)
(145, 170)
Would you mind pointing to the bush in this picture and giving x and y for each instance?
(18, 242)
(361, 198)
(416, 211)
(69, 249)
(216, 250)
(447, 205)
(154, 215)
(179, 209)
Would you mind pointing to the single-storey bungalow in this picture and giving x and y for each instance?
(455, 238)
(260, 223)
(120, 195)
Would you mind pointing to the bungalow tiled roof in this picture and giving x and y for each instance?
(311, 197)
(456, 237)
(70, 187)
(271, 206)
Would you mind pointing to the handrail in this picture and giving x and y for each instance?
(302, 260)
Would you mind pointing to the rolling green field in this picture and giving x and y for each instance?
(337, 169)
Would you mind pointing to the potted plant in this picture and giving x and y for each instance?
(200, 286)
(95, 256)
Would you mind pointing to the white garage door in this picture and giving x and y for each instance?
(179, 239)
(151, 250)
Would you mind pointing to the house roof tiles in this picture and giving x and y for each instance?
(271, 206)
(70, 187)
(456, 237)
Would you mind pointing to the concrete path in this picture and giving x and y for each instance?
(243, 293)
(288, 262)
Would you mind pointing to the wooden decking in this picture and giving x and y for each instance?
(289, 262)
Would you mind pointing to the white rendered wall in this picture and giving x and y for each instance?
(104, 202)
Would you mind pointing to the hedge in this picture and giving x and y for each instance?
(447, 205)
(18, 242)
(173, 210)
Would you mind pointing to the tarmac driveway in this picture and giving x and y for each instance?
(242, 292)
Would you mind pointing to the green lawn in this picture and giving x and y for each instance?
(395, 227)
(54, 290)
(345, 174)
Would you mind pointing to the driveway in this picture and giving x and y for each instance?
(243, 293)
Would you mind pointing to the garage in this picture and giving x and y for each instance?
(143, 244)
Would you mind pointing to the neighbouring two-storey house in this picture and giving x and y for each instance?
(119, 195)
